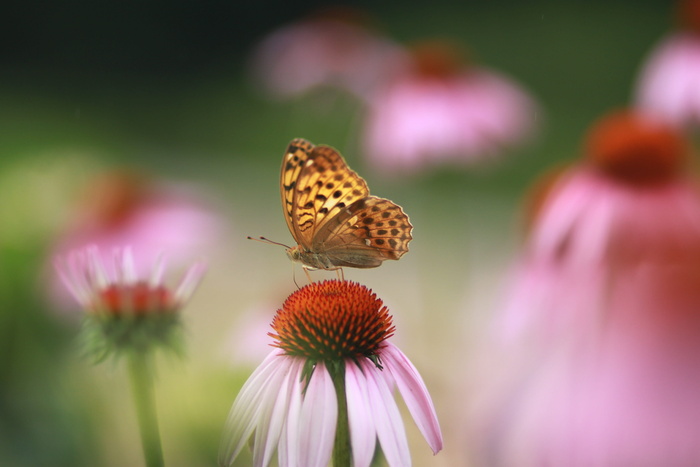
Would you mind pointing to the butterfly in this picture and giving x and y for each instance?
(331, 215)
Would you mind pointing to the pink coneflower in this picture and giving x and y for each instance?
(334, 47)
(441, 110)
(124, 207)
(326, 390)
(669, 83)
(125, 310)
(128, 315)
(602, 324)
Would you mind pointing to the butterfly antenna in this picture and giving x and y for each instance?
(267, 240)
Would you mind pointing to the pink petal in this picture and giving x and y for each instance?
(317, 420)
(189, 282)
(267, 434)
(363, 435)
(289, 441)
(415, 394)
(387, 419)
(243, 418)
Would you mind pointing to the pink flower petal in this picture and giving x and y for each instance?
(387, 419)
(415, 394)
(317, 420)
(363, 435)
(268, 432)
(289, 441)
(242, 419)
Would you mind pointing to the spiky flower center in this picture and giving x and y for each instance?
(137, 299)
(636, 149)
(438, 59)
(688, 15)
(332, 321)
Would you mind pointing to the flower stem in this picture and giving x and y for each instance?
(342, 456)
(144, 400)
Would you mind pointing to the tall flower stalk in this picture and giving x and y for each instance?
(326, 391)
(141, 377)
(131, 317)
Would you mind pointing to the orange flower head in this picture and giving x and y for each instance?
(332, 320)
(438, 59)
(636, 149)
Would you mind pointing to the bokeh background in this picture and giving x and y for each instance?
(164, 89)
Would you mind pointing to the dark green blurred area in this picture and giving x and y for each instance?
(164, 86)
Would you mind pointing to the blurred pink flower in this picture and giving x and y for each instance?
(113, 287)
(248, 342)
(125, 310)
(669, 83)
(440, 110)
(332, 48)
(602, 324)
(123, 208)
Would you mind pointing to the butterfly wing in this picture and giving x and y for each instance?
(366, 233)
(316, 185)
(296, 156)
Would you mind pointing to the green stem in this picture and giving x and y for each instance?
(144, 400)
(342, 456)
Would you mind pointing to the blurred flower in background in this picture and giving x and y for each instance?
(248, 343)
(125, 207)
(443, 109)
(126, 311)
(335, 47)
(129, 316)
(670, 79)
(602, 325)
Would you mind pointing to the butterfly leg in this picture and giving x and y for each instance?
(340, 273)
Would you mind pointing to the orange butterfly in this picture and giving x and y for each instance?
(331, 214)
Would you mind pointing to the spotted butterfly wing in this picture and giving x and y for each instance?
(331, 215)
(368, 232)
(316, 185)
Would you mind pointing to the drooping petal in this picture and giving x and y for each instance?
(317, 420)
(268, 432)
(243, 418)
(289, 441)
(415, 394)
(387, 419)
(363, 435)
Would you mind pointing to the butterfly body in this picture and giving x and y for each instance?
(309, 259)
(331, 215)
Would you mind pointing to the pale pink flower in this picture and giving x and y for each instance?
(124, 208)
(602, 325)
(669, 83)
(329, 336)
(125, 310)
(114, 286)
(332, 48)
(440, 111)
